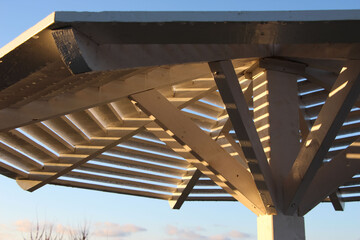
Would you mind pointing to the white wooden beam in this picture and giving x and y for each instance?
(202, 146)
(245, 130)
(86, 54)
(32, 185)
(193, 159)
(282, 65)
(332, 175)
(280, 227)
(122, 84)
(276, 119)
(188, 184)
(185, 189)
(324, 80)
(327, 51)
(330, 119)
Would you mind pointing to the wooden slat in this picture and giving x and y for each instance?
(20, 155)
(353, 181)
(203, 182)
(208, 191)
(186, 132)
(141, 165)
(31, 186)
(34, 143)
(347, 190)
(113, 180)
(186, 188)
(120, 150)
(62, 132)
(211, 198)
(188, 184)
(99, 187)
(127, 82)
(341, 99)
(338, 171)
(245, 130)
(130, 173)
(75, 128)
(13, 170)
(351, 199)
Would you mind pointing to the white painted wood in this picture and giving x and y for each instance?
(103, 188)
(185, 187)
(338, 104)
(208, 151)
(280, 227)
(246, 16)
(332, 175)
(193, 159)
(245, 130)
(122, 86)
(37, 184)
(284, 125)
(335, 51)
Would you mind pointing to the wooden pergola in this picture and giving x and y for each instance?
(256, 107)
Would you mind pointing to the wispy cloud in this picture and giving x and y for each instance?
(183, 233)
(23, 225)
(6, 231)
(230, 236)
(175, 233)
(108, 230)
(114, 230)
(237, 234)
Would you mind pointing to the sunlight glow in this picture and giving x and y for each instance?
(338, 89)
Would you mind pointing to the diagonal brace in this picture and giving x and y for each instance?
(318, 142)
(245, 130)
(202, 146)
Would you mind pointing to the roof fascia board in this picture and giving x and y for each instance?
(31, 32)
(208, 16)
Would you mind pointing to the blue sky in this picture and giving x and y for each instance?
(126, 217)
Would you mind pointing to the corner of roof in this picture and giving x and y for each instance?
(34, 30)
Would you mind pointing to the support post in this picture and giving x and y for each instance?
(276, 119)
(280, 227)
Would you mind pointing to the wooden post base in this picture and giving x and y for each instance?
(280, 227)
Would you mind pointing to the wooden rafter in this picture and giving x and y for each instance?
(91, 151)
(187, 133)
(126, 83)
(184, 189)
(32, 185)
(337, 201)
(324, 79)
(193, 159)
(245, 130)
(332, 175)
(331, 117)
(335, 197)
(191, 179)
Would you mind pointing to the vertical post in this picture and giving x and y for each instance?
(276, 117)
(280, 227)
